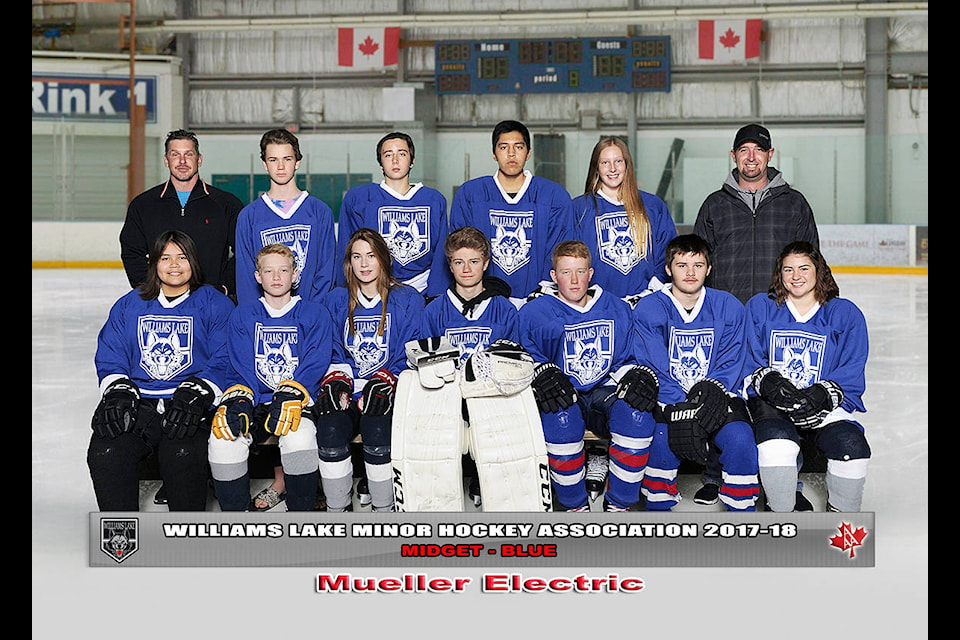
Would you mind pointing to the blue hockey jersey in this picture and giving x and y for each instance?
(684, 348)
(523, 229)
(268, 346)
(604, 227)
(159, 343)
(490, 320)
(307, 229)
(414, 225)
(592, 345)
(830, 342)
(360, 352)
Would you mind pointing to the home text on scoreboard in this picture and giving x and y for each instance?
(569, 65)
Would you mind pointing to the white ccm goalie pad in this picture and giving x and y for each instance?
(506, 438)
(428, 437)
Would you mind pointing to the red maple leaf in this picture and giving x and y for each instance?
(368, 47)
(729, 39)
(849, 538)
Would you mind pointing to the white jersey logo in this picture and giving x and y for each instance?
(468, 340)
(295, 236)
(166, 345)
(690, 352)
(406, 230)
(274, 357)
(369, 351)
(510, 246)
(588, 350)
(615, 244)
(797, 355)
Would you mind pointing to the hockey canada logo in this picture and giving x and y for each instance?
(848, 538)
(119, 538)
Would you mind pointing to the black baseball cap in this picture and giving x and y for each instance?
(753, 133)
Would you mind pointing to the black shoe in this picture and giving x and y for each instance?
(597, 468)
(363, 493)
(707, 494)
(474, 491)
(802, 503)
(161, 497)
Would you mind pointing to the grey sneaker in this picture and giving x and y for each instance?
(597, 468)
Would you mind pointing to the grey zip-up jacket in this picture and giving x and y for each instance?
(746, 231)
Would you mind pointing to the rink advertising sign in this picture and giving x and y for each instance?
(443, 540)
(91, 97)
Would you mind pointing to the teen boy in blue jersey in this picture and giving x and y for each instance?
(524, 216)
(280, 345)
(691, 336)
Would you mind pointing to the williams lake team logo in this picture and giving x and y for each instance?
(588, 350)
(369, 350)
(406, 230)
(797, 355)
(468, 340)
(510, 244)
(275, 357)
(166, 345)
(119, 538)
(690, 352)
(295, 236)
(615, 244)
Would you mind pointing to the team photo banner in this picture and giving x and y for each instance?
(482, 540)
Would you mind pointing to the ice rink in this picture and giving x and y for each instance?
(887, 601)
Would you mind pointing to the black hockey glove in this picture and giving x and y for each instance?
(775, 389)
(336, 388)
(377, 394)
(551, 388)
(286, 408)
(232, 417)
(686, 437)
(817, 401)
(509, 349)
(187, 408)
(639, 387)
(711, 397)
(117, 411)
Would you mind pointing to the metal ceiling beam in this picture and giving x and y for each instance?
(600, 17)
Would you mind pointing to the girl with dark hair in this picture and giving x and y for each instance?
(160, 359)
(804, 375)
(374, 316)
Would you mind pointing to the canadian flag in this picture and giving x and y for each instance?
(368, 48)
(729, 40)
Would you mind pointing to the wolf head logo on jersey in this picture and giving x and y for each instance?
(797, 369)
(369, 350)
(297, 237)
(406, 243)
(615, 244)
(510, 247)
(275, 358)
(588, 350)
(407, 232)
(468, 340)
(797, 355)
(165, 345)
(690, 352)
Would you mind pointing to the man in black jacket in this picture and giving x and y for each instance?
(752, 217)
(746, 223)
(184, 203)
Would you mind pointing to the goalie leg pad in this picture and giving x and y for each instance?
(427, 446)
(507, 444)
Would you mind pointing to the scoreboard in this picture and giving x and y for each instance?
(570, 65)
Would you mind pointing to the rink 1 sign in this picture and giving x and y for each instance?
(91, 97)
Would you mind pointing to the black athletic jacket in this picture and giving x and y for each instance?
(745, 242)
(209, 217)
